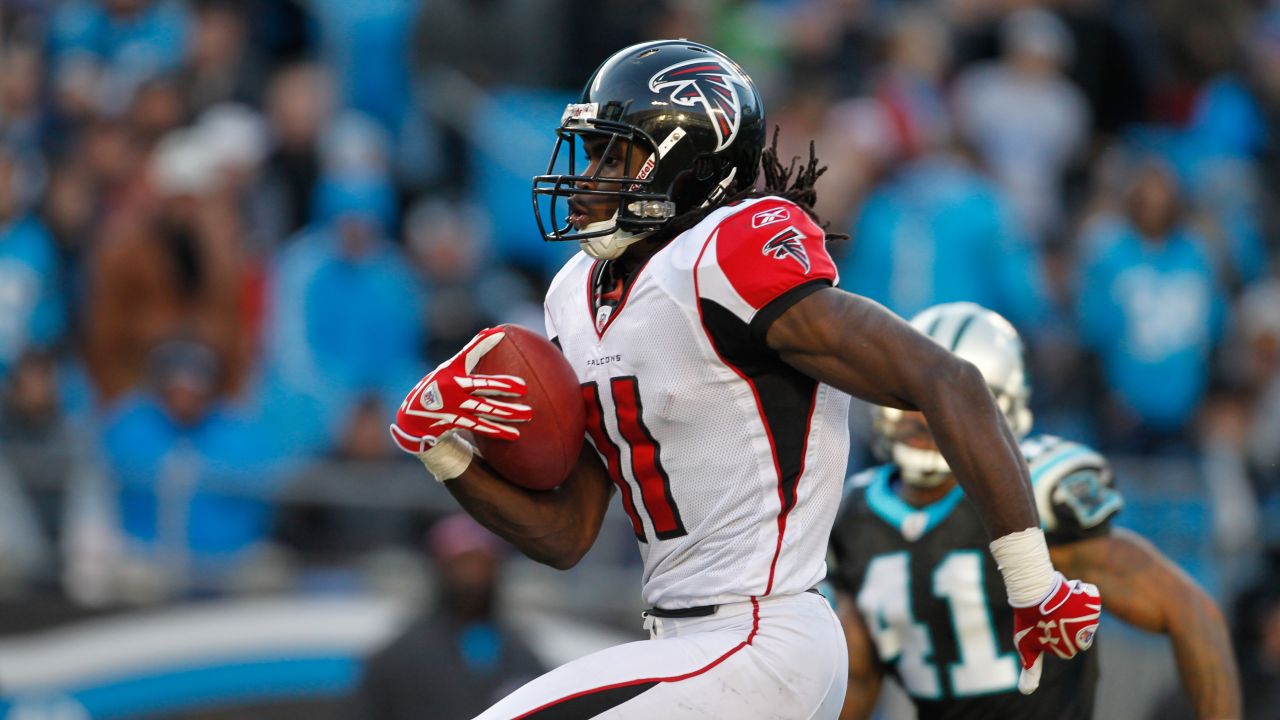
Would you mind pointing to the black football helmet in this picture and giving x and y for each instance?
(692, 108)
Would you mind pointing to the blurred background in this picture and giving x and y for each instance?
(232, 234)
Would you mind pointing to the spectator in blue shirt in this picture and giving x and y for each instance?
(194, 480)
(1215, 160)
(1227, 133)
(467, 289)
(937, 232)
(31, 306)
(346, 317)
(137, 37)
(1150, 306)
(367, 47)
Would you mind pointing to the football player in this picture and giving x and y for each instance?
(919, 597)
(714, 356)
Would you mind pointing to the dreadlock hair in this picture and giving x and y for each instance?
(794, 182)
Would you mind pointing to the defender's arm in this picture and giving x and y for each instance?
(1146, 590)
(865, 672)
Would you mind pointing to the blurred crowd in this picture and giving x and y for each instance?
(233, 233)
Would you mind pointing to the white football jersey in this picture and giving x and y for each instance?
(728, 461)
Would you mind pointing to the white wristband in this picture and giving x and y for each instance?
(449, 457)
(1023, 559)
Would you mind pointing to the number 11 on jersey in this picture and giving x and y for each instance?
(645, 454)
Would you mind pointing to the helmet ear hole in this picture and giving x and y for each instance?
(689, 189)
(681, 190)
(705, 167)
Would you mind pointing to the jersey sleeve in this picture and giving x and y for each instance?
(762, 260)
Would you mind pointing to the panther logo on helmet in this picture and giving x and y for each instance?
(710, 83)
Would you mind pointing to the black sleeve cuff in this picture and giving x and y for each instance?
(764, 318)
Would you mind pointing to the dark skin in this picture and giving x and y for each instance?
(834, 337)
(1142, 587)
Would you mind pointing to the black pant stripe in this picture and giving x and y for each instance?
(592, 704)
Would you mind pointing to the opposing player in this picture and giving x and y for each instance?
(714, 356)
(918, 595)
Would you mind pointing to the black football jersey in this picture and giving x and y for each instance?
(934, 603)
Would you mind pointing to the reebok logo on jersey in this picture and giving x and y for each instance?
(788, 244)
(769, 217)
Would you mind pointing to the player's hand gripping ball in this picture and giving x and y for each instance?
(452, 398)
(532, 443)
(550, 442)
(1063, 623)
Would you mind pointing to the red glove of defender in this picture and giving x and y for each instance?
(451, 398)
(1063, 623)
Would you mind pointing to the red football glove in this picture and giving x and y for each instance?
(451, 398)
(1063, 623)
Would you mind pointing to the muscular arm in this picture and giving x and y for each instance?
(865, 674)
(1147, 591)
(857, 346)
(555, 527)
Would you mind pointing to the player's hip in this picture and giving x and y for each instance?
(773, 658)
(798, 614)
(792, 663)
(730, 568)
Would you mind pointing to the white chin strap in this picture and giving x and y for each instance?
(921, 468)
(611, 246)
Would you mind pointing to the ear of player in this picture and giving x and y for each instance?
(452, 398)
(1063, 623)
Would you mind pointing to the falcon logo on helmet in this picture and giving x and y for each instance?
(710, 83)
(692, 110)
(787, 244)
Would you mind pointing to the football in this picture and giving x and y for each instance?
(549, 443)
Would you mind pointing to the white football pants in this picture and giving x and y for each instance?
(777, 658)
